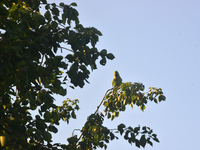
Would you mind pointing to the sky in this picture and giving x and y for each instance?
(155, 43)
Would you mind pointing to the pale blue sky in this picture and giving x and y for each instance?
(157, 43)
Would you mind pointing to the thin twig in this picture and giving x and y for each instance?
(96, 111)
(102, 101)
(67, 49)
(75, 130)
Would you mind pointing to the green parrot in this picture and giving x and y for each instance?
(117, 80)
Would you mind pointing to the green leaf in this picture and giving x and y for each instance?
(132, 137)
(110, 56)
(53, 129)
(39, 18)
(54, 24)
(48, 15)
(161, 98)
(109, 115)
(137, 143)
(142, 107)
(55, 11)
(112, 117)
(103, 61)
(103, 52)
(73, 4)
(120, 128)
(62, 4)
(73, 115)
(156, 139)
(105, 130)
(112, 136)
(143, 141)
(47, 116)
(47, 7)
(72, 140)
(131, 106)
(14, 7)
(47, 137)
(136, 129)
(149, 142)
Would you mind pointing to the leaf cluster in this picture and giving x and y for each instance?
(32, 71)
(139, 135)
(95, 135)
(130, 94)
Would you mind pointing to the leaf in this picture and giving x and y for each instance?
(131, 106)
(143, 141)
(47, 7)
(136, 129)
(72, 140)
(112, 117)
(73, 4)
(73, 115)
(156, 139)
(103, 52)
(62, 4)
(47, 116)
(142, 107)
(155, 100)
(112, 136)
(71, 87)
(149, 142)
(55, 11)
(103, 61)
(110, 56)
(144, 128)
(47, 136)
(14, 7)
(105, 130)
(109, 115)
(121, 128)
(39, 18)
(48, 15)
(53, 129)
(132, 137)
(137, 143)
(161, 98)
(54, 24)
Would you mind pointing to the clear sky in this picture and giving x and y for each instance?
(156, 43)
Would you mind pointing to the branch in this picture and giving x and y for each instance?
(67, 49)
(75, 130)
(102, 101)
(96, 110)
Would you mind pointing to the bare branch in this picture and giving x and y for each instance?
(67, 49)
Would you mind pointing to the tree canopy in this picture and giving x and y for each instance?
(33, 69)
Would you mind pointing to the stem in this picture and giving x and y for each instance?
(75, 130)
(102, 101)
(67, 49)
(96, 110)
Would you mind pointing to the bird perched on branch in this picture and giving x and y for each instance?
(117, 80)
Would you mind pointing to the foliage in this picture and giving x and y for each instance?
(129, 94)
(32, 70)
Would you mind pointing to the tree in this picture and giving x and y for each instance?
(32, 70)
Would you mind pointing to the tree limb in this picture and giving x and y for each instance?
(96, 111)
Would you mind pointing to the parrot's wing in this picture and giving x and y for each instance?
(114, 82)
(118, 81)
